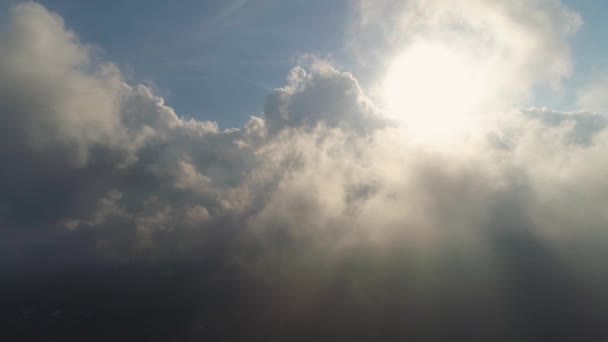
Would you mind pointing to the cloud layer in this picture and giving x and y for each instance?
(325, 205)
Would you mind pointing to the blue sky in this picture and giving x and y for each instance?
(218, 59)
(587, 43)
(213, 59)
(590, 54)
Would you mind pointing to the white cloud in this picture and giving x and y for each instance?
(515, 44)
(322, 156)
(319, 175)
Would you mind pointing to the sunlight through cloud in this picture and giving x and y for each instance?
(434, 90)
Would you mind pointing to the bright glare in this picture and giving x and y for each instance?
(433, 90)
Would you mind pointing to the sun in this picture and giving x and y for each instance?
(433, 89)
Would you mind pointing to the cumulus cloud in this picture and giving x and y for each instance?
(326, 205)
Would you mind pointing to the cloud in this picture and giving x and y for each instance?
(517, 44)
(581, 126)
(323, 205)
(323, 95)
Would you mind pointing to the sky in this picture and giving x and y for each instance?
(303, 170)
(195, 52)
